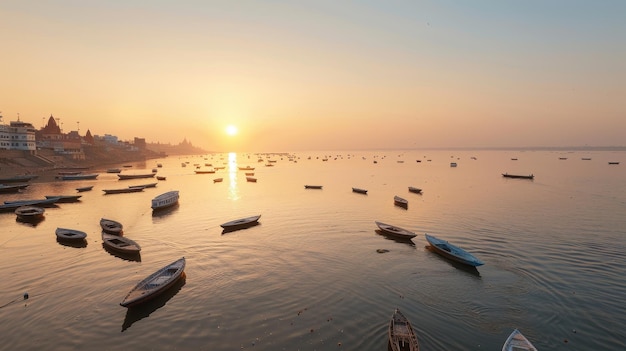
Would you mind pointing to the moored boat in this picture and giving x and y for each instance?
(217, 180)
(70, 234)
(135, 176)
(155, 283)
(519, 176)
(110, 226)
(160, 178)
(165, 200)
(12, 188)
(241, 223)
(415, 190)
(120, 244)
(79, 176)
(29, 213)
(452, 252)
(247, 168)
(359, 190)
(517, 342)
(47, 202)
(395, 231)
(204, 171)
(122, 190)
(251, 179)
(114, 170)
(401, 334)
(84, 188)
(149, 185)
(398, 201)
(64, 198)
(312, 186)
(18, 179)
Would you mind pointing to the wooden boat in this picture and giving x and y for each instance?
(18, 179)
(84, 188)
(241, 223)
(453, 164)
(359, 190)
(312, 186)
(122, 190)
(160, 178)
(452, 252)
(114, 170)
(395, 231)
(12, 188)
(155, 283)
(65, 198)
(135, 176)
(70, 234)
(159, 165)
(401, 334)
(143, 186)
(613, 163)
(247, 168)
(110, 226)
(519, 176)
(165, 200)
(29, 213)
(398, 201)
(249, 174)
(204, 171)
(80, 176)
(415, 190)
(517, 342)
(69, 172)
(586, 158)
(562, 158)
(217, 180)
(34, 202)
(120, 244)
(251, 179)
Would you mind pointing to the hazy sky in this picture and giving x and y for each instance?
(320, 75)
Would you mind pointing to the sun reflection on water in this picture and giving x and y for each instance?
(233, 192)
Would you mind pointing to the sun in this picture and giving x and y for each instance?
(231, 130)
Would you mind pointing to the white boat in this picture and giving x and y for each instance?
(395, 231)
(110, 226)
(241, 223)
(70, 234)
(398, 201)
(401, 334)
(452, 252)
(155, 283)
(517, 342)
(120, 244)
(165, 200)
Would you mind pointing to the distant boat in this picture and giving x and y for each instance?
(80, 176)
(120, 244)
(160, 178)
(110, 226)
(70, 234)
(517, 342)
(204, 171)
(397, 232)
(247, 168)
(12, 188)
(452, 252)
(401, 334)
(64, 198)
(613, 163)
(251, 179)
(155, 283)
(69, 172)
(249, 174)
(415, 190)
(165, 200)
(453, 164)
(359, 190)
(47, 202)
(312, 186)
(149, 185)
(586, 158)
(562, 158)
(122, 190)
(398, 201)
(159, 165)
(514, 159)
(84, 188)
(135, 176)
(114, 170)
(530, 176)
(217, 180)
(29, 213)
(18, 179)
(241, 223)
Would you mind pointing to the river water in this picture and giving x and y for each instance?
(309, 277)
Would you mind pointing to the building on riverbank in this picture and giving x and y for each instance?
(17, 135)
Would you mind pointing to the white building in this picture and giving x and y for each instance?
(17, 135)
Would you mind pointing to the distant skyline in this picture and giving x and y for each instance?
(321, 75)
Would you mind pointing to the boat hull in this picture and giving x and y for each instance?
(165, 200)
(155, 284)
(401, 334)
(452, 252)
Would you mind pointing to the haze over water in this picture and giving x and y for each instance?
(309, 276)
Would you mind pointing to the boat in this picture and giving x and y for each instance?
(613, 163)
(110, 226)
(165, 200)
(562, 158)
(122, 190)
(312, 186)
(204, 171)
(114, 170)
(135, 176)
(29, 213)
(12, 188)
(143, 186)
(84, 188)
(241, 223)
(64, 198)
(415, 190)
(453, 164)
(519, 176)
(120, 244)
(395, 231)
(249, 174)
(70, 234)
(398, 201)
(517, 342)
(586, 158)
(155, 283)
(33, 202)
(18, 179)
(359, 190)
(69, 172)
(452, 252)
(401, 334)
(251, 179)
(217, 180)
(79, 176)
(159, 165)
(160, 178)
(247, 168)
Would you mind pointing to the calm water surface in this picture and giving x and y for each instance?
(309, 276)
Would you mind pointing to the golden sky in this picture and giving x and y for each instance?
(320, 75)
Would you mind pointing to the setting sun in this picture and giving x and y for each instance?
(231, 130)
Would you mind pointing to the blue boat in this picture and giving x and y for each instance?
(453, 252)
